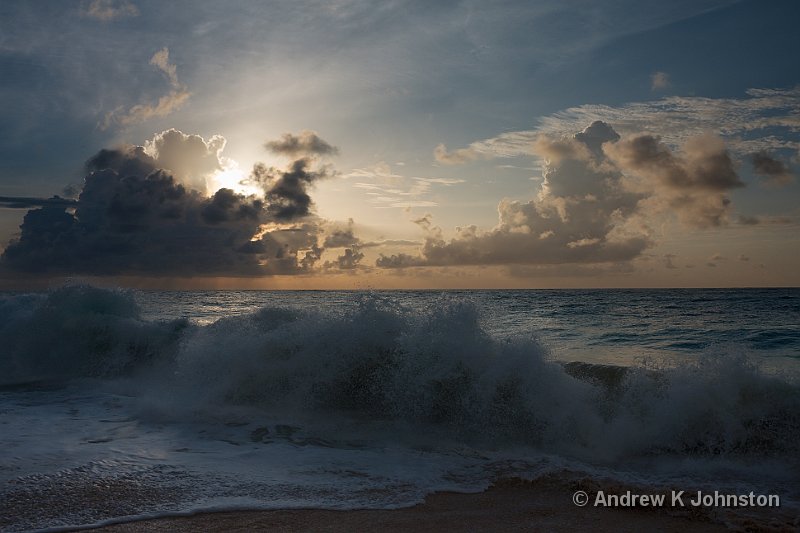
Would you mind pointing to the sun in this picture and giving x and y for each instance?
(234, 178)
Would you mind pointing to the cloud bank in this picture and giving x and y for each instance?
(597, 193)
(144, 210)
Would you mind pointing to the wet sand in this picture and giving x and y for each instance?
(510, 505)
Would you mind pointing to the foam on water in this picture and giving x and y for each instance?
(367, 405)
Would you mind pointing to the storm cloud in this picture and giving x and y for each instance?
(143, 210)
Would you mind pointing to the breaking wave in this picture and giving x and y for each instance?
(430, 371)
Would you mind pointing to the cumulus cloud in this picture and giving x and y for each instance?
(599, 192)
(774, 171)
(166, 105)
(693, 185)
(191, 159)
(303, 144)
(580, 216)
(339, 236)
(135, 216)
(349, 260)
(108, 10)
(286, 190)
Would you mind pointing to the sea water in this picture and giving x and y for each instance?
(119, 404)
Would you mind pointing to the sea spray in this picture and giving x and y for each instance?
(430, 370)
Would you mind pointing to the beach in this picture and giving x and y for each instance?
(509, 505)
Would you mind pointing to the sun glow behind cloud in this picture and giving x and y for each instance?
(234, 178)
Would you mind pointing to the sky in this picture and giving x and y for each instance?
(400, 144)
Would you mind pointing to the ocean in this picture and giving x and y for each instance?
(117, 405)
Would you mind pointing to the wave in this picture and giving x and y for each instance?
(430, 371)
(79, 331)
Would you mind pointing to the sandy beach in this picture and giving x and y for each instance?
(509, 505)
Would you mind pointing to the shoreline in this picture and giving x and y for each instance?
(544, 504)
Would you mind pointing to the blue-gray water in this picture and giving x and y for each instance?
(600, 326)
(118, 404)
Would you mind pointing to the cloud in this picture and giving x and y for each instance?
(286, 190)
(25, 202)
(304, 144)
(775, 171)
(192, 160)
(160, 60)
(693, 184)
(581, 215)
(134, 216)
(456, 157)
(108, 10)
(386, 189)
(765, 119)
(166, 105)
(341, 236)
(349, 260)
(659, 81)
(598, 195)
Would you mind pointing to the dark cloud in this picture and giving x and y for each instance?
(775, 171)
(286, 190)
(71, 191)
(134, 216)
(24, 202)
(349, 260)
(400, 261)
(227, 206)
(342, 236)
(306, 143)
